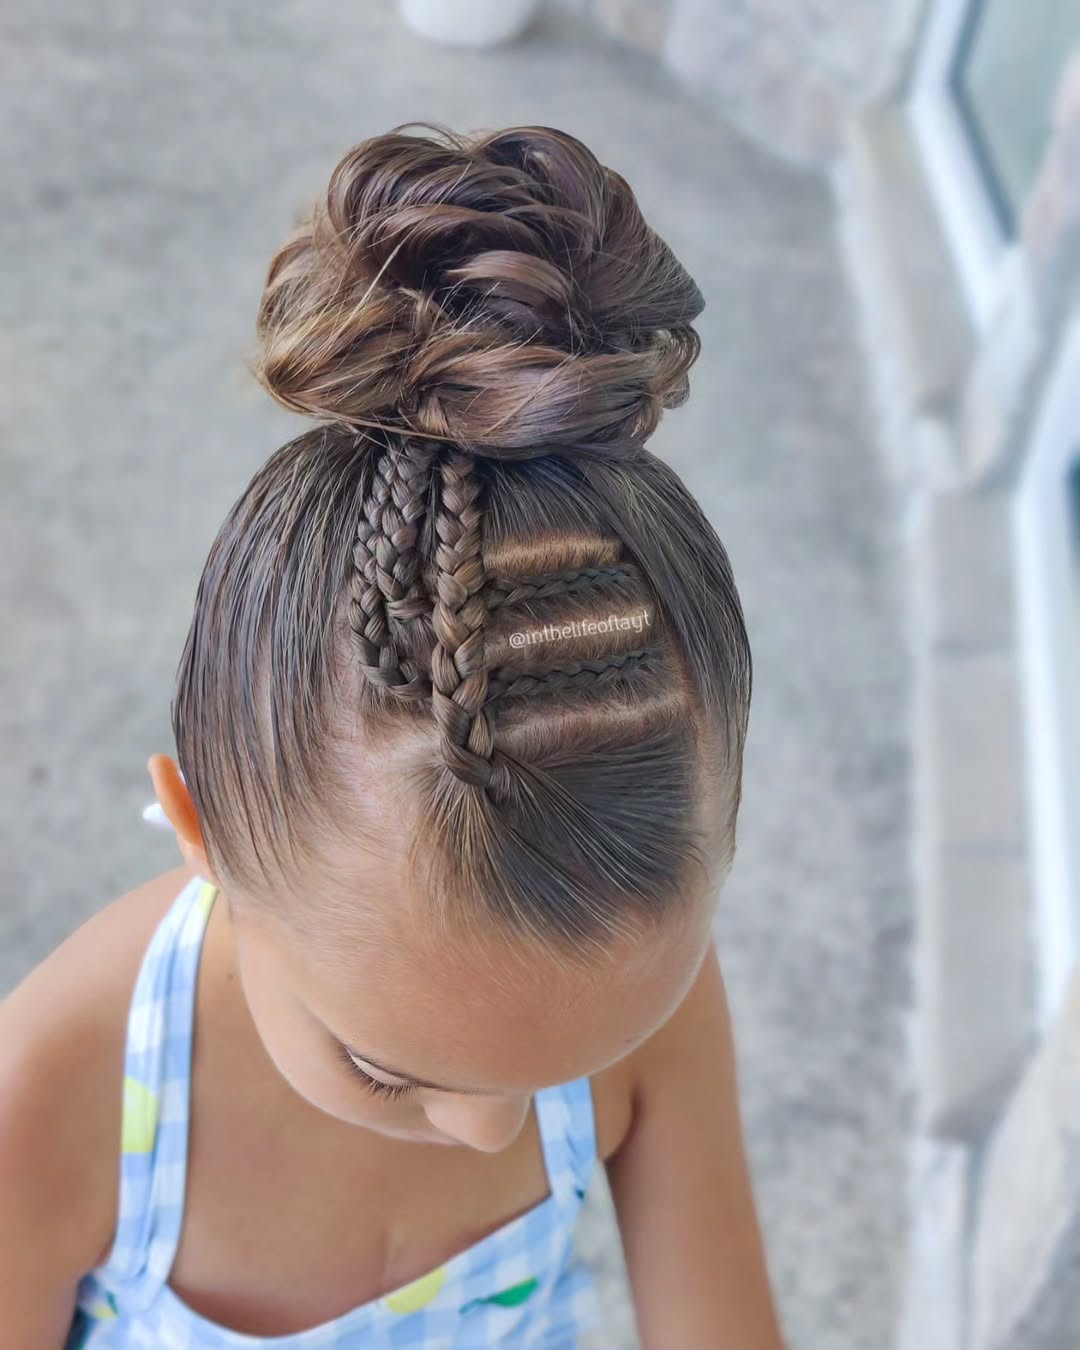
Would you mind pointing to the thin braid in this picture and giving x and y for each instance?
(458, 675)
(506, 682)
(387, 576)
(500, 590)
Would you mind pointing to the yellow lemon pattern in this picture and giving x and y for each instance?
(206, 897)
(140, 1117)
(153, 1139)
(102, 1310)
(418, 1294)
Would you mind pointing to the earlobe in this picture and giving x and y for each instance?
(194, 857)
(172, 792)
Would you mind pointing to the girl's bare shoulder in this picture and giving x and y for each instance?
(63, 1033)
(85, 984)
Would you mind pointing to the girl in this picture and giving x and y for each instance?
(459, 735)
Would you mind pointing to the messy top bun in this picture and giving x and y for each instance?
(505, 295)
(472, 578)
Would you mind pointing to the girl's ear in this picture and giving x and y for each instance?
(172, 792)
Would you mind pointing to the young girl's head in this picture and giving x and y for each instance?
(462, 708)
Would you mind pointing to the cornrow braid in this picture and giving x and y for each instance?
(387, 577)
(389, 567)
(506, 682)
(500, 590)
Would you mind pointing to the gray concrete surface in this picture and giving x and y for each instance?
(151, 160)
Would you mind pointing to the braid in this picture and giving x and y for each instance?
(506, 682)
(458, 675)
(513, 591)
(387, 583)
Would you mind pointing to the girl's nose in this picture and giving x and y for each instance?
(486, 1123)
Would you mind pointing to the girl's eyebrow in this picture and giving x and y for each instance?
(408, 1077)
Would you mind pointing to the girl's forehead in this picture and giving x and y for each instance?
(458, 1016)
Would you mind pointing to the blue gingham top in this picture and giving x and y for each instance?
(522, 1285)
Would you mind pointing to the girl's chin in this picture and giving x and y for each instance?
(415, 1136)
(418, 1138)
(431, 1136)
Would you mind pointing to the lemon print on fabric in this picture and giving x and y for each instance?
(410, 1297)
(104, 1308)
(509, 1298)
(140, 1117)
(205, 898)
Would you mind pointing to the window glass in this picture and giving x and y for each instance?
(1007, 69)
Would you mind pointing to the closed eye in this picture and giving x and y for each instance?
(389, 1091)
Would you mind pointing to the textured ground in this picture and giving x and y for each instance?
(152, 158)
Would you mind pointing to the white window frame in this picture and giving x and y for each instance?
(1049, 629)
(979, 243)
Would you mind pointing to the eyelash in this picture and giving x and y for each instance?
(389, 1091)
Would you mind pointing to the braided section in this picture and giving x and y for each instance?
(458, 676)
(387, 568)
(505, 682)
(512, 591)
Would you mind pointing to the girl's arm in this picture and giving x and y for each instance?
(51, 1225)
(682, 1192)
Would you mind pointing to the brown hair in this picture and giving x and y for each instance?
(473, 567)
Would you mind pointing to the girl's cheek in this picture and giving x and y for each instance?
(325, 1085)
(312, 1070)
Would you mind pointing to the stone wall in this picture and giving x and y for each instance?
(994, 1249)
(1025, 1276)
(994, 1261)
(786, 73)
